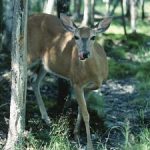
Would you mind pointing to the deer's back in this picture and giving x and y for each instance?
(48, 41)
(43, 30)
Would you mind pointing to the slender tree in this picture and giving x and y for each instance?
(86, 14)
(19, 77)
(123, 18)
(77, 9)
(133, 15)
(142, 7)
(48, 6)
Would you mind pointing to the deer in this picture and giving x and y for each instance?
(58, 46)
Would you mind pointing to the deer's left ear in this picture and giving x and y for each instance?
(67, 23)
(103, 25)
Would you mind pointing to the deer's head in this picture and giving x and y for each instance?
(84, 36)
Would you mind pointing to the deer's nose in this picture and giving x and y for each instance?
(83, 55)
(86, 55)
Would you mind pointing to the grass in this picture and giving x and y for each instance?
(127, 58)
(139, 142)
(95, 102)
(57, 137)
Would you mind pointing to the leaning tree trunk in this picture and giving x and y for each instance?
(19, 77)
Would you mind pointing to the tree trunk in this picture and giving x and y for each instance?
(77, 9)
(142, 7)
(115, 4)
(107, 5)
(92, 12)
(86, 15)
(19, 77)
(123, 18)
(133, 15)
(63, 7)
(48, 6)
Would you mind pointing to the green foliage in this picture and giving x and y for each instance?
(121, 70)
(144, 71)
(56, 139)
(59, 135)
(95, 102)
(139, 142)
(118, 53)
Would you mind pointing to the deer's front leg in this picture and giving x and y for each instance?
(77, 125)
(83, 108)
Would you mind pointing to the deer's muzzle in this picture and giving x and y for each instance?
(83, 55)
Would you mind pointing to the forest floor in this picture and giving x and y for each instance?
(126, 96)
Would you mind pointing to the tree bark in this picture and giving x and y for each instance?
(133, 15)
(77, 9)
(123, 18)
(19, 77)
(63, 7)
(142, 7)
(48, 6)
(86, 15)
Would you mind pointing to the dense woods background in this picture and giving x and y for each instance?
(120, 110)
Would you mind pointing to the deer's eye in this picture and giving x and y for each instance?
(76, 37)
(93, 38)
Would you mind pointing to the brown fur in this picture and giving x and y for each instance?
(56, 48)
(48, 41)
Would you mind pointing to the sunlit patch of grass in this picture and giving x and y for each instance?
(58, 137)
(115, 29)
(143, 55)
(140, 142)
(135, 142)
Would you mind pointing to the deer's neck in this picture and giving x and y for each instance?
(83, 71)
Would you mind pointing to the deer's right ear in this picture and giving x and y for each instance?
(67, 23)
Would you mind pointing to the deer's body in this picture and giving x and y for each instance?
(59, 54)
(56, 48)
